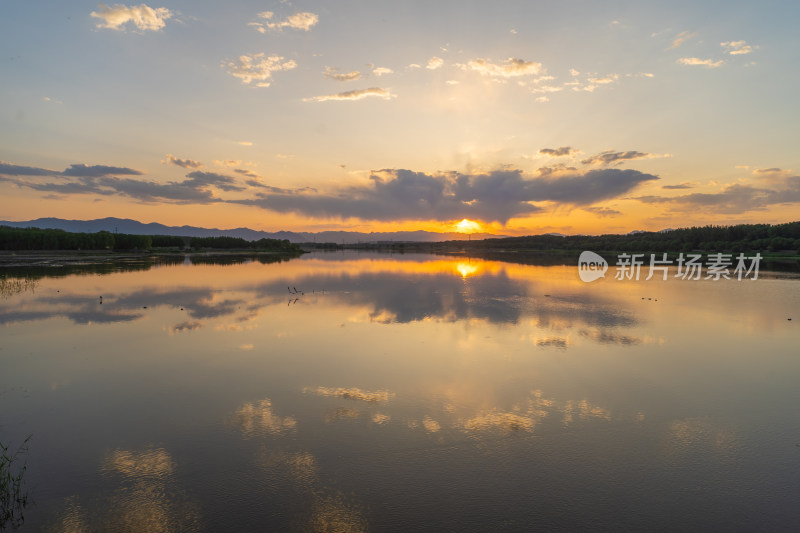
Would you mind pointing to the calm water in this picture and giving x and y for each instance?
(400, 392)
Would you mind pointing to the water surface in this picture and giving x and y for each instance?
(349, 392)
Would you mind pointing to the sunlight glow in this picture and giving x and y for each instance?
(466, 269)
(467, 226)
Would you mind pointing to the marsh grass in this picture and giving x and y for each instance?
(13, 497)
(10, 287)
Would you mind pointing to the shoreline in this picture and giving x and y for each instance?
(56, 258)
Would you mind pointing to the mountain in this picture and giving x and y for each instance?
(124, 225)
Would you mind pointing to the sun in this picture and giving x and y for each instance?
(467, 226)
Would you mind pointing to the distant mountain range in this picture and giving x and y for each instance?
(124, 225)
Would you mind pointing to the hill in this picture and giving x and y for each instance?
(133, 227)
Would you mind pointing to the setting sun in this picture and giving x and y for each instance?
(467, 226)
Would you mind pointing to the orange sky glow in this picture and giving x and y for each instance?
(511, 119)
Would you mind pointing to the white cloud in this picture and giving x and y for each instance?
(380, 71)
(611, 78)
(414, 65)
(696, 61)
(512, 67)
(299, 21)
(354, 95)
(228, 162)
(435, 63)
(333, 74)
(681, 38)
(574, 72)
(547, 89)
(142, 16)
(737, 47)
(258, 26)
(258, 68)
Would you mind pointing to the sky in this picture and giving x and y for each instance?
(507, 117)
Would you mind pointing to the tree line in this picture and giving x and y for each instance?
(55, 239)
(237, 243)
(742, 238)
(23, 239)
(773, 238)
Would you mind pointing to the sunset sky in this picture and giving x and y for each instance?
(524, 117)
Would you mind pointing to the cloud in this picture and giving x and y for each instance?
(187, 192)
(737, 47)
(435, 63)
(7, 169)
(354, 95)
(227, 162)
(511, 68)
(697, 62)
(610, 156)
(258, 68)
(496, 196)
(733, 199)
(558, 152)
(99, 170)
(246, 172)
(772, 174)
(603, 211)
(391, 194)
(178, 162)
(202, 180)
(74, 170)
(380, 71)
(684, 185)
(558, 167)
(546, 89)
(103, 180)
(611, 78)
(588, 188)
(681, 38)
(142, 16)
(246, 143)
(334, 74)
(299, 21)
(772, 170)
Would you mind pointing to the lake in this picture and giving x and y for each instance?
(379, 392)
